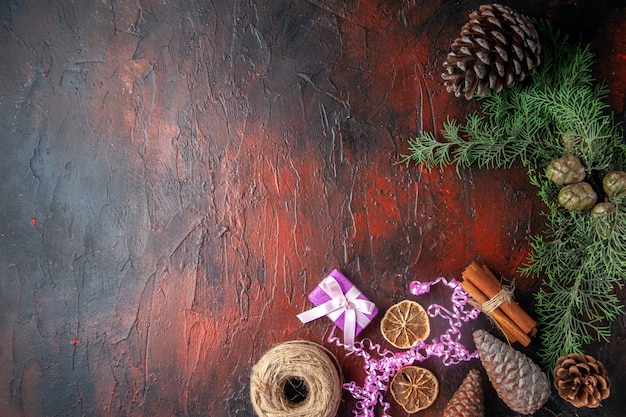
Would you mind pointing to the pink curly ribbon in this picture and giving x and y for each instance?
(382, 369)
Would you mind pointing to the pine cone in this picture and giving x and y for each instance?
(571, 142)
(581, 379)
(468, 400)
(601, 210)
(566, 170)
(614, 184)
(603, 221)
(518, 381)
(496, 48)
(578, 197)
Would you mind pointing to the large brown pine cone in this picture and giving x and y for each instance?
(518, 381)
(496, 48)
(581, 379)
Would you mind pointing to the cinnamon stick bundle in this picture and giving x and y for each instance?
(483, 286)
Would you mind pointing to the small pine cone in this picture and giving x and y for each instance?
(571, 142)
(582, 380)
(603, 220)
(566, 170)
(614, 184)
(468, 400)
(518, 381)
(496, 48)
(578, 197)
(601, 210)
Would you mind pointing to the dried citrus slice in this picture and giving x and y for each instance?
(414, 388)
(404, 324)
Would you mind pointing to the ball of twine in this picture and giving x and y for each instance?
(296, 379)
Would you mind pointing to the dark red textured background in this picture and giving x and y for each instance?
(176, 176)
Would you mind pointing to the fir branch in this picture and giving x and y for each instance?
(581, 260)
(426, 150)
(526, 122)
(581, 268)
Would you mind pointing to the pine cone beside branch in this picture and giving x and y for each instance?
(578, 197)
(582, 380)
(518, 381)
(496, 48)
(567, 169)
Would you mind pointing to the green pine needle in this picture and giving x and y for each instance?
(560, 109)
(582, 262)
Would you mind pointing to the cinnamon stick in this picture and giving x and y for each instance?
(512, 332)
(489, 285)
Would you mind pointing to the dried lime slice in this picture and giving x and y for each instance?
(404, 324)
(414, 388)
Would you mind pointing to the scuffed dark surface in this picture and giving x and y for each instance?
(175, 177)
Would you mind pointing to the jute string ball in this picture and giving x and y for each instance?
(296, 379)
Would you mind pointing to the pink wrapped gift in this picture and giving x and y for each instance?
(339, 300)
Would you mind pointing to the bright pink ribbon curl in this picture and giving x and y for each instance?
(354, 308)
(380, 371)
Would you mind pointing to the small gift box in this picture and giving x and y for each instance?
(339, 300)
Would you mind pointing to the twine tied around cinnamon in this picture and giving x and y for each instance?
(490, 306)
(505, 295)
(296, 379)
(496, 301)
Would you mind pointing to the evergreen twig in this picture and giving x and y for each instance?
(581, 261)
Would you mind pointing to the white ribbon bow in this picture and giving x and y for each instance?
(355, 309)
